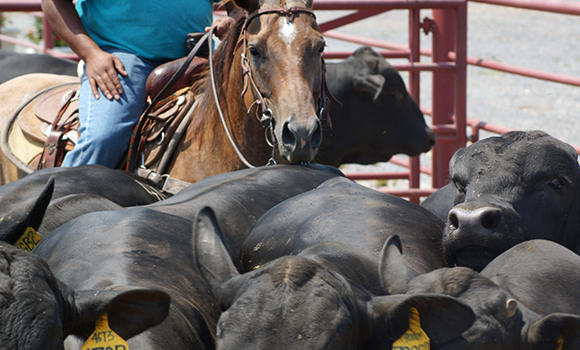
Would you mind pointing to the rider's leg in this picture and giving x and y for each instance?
(106, 125)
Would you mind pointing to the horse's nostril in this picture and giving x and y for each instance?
(288, 136)
(316, 135)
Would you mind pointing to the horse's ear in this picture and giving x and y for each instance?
(248, 5)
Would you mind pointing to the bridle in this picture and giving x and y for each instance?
(266, 118)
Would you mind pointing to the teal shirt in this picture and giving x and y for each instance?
(151, 29)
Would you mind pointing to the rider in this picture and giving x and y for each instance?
(121, 42)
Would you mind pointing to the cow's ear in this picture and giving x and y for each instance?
(394, 270)
(210, 250)
(12, 227)
(39, 208)
(368, 84)
(442, 318)
(556, 331)
(129, 312)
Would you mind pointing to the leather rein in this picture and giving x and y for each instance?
(266, 118)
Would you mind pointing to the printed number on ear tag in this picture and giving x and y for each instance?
(28, 240)
(415, 337)
(103, 338)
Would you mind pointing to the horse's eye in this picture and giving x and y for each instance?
(254, 52)
(557, 184)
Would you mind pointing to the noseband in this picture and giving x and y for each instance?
(266, 118)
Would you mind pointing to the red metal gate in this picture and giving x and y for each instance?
(449, 60)
(448, 111)
(449, 121)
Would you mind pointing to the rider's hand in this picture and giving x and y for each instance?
(221, 26)
(101, 69)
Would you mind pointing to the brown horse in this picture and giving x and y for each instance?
(279, 47)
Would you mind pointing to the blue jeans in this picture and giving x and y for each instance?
(106, 125)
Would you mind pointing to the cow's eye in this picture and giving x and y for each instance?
(460, 187)
(557, 184)
(391, 92)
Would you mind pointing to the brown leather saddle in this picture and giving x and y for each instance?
(51, 117)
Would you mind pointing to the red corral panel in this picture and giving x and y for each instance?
(448, 29)
(20, 5)
(449, 35)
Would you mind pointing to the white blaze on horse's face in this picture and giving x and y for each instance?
(287, 31)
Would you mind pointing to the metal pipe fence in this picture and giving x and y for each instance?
(451, 131)
(448, 31)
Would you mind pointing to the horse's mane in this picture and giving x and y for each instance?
(222, 60)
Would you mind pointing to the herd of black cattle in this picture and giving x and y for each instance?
(298, 257)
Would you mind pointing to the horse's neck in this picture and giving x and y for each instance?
(205, 149)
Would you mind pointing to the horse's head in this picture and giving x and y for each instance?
(283, 46)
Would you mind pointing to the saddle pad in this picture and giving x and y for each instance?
(23, 147)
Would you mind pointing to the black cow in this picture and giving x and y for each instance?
(503, 320)
(540, 274)
(38, 310)
(241, 197)
(341, 220)
(136, 248)
(87, 188)
(508, 189)
(13, 64)
(296, 302)
(378, 117)
(441, 201)
(156, 243)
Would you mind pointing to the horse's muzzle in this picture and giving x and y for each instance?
(299, 140)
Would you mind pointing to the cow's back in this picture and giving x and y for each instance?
(345, 212)
(137, 247)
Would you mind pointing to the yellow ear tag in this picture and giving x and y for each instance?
(28, 240)
(414, 337)
(560, 343)
(103, 338)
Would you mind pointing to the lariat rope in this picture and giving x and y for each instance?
(217, 102)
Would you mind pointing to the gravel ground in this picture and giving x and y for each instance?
(526, 38)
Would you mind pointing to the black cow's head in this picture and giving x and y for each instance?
(517, 187)
(295, 303)
(501, 321)
(378, 117)
(37, 311)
